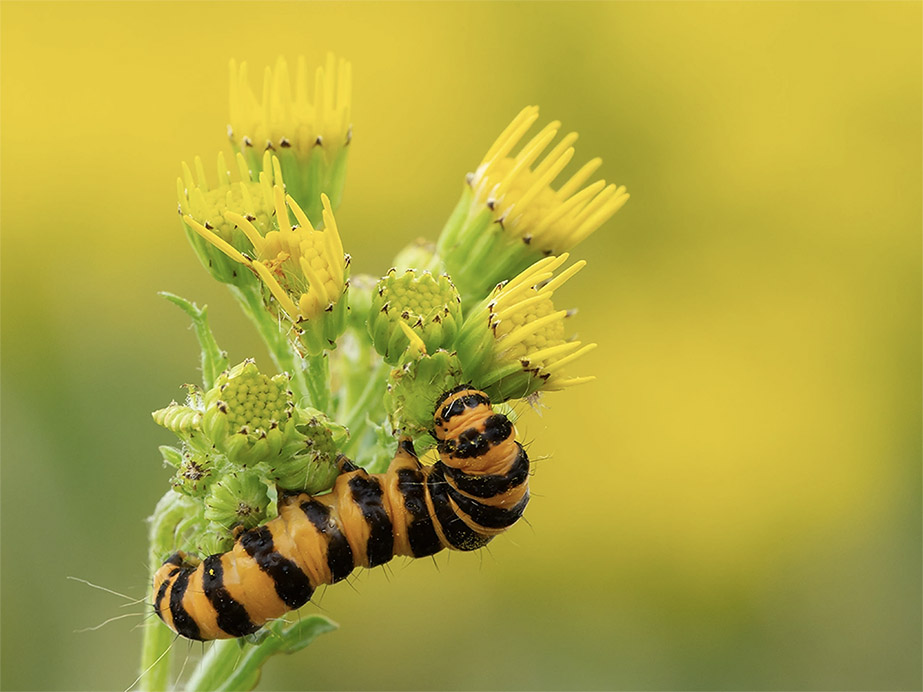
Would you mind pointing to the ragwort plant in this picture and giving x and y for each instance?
(358, 362)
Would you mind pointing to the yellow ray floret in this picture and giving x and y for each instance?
(303, 268)
(286, 117)
(527, 327)
(251, 195)
(518, 188)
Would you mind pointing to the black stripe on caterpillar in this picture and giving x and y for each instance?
(477, 490)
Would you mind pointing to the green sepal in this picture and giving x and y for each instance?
(477, 252)
(321, 333)
(171, 455)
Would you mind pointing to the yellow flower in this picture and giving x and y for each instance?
(303, 269)
(518, 189)
(250, 195)
(308, 128)
(510, 214)
(514, 342)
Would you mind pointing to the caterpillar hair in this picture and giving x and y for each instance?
(478, 489)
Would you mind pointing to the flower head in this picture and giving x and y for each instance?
(308, 126)
(510, 214)
(518, 189)
(428, 305)
(514, 343)
(250, 195)
(303, 269)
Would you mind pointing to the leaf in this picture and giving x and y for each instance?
(232, 666)
(214, 360)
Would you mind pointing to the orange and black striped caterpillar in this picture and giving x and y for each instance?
(478, 489)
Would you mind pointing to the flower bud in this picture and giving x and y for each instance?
(237, 499)
(312, 468)
(178, 418)
(416, 385)
(304, 270)
(428, 305)
(195, 473)
(248, 415)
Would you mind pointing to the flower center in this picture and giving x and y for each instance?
(254, 401)
(551, 334)
(231, 198)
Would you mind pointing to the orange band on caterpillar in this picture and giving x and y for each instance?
(478, 489)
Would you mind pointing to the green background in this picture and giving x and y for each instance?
(733, 503)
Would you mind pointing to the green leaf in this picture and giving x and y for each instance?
(233, 666)
(214, 360)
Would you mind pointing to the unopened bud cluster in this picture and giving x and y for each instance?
(241, 441)
(428, 305)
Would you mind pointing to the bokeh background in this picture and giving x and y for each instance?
(735, 503)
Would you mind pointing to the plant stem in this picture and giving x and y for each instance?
(360, 413)
(250, 299)
(155, 649)
(316, 377)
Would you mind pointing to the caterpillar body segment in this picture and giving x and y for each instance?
(477, 490)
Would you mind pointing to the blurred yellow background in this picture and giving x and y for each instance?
(734, 503)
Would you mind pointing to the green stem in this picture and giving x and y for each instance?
(316, 378)
(250, 298)
(216, 666)
(360, 413)
(155, 649)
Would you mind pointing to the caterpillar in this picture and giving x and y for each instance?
(477, 490)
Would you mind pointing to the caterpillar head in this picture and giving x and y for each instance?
(472, 437)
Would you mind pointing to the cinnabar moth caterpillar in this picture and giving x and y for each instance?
(478, 489)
